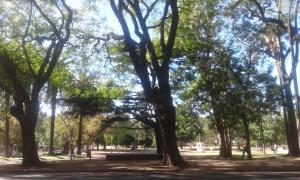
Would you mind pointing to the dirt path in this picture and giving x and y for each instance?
(198, 163)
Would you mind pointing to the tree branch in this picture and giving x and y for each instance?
(148, 41)
(267, 19)
(52, 24)
(162, 28)
(27, 59)
(149, 9)
(172, 34)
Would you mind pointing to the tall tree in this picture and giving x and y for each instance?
(278, 20)
(40, 51)
(58, 81)
(87, 101)
(199, 44)
(54, 91)
(156, 83)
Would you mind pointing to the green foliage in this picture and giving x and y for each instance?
(127, 140)
(187, 124)
(272, 132)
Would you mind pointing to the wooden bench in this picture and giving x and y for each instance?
(132, 156)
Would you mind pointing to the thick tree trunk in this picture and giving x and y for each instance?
(285, 118)
(79, 143)
(66, 147)
(295, 59)
(228, 141)
(296, 91)
(284, 104)
(166, 120)
(53, 110)
(29, 148)
(293, 143)
(159, 146)
(7, 127)
(27, 115)
(225, 150)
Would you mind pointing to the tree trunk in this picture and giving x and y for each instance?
(29, 148)
(262, 137)
(159, 146)
(66, 147)
(228, 141)
(166, 120)
(284, 104)
(7, 127)
(296, 91)
(53, 109)
(295, 58)
(11, 149)
(293, 143)
(225, 151)
(79, 143)
(247, 134)
(27, 115)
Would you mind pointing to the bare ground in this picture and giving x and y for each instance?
(197, 163)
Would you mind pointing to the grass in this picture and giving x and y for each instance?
(44, 157)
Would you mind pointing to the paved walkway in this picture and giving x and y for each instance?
(146, 175)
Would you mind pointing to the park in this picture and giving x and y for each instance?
(149, 89)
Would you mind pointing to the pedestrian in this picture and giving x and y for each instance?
(246, 148)
(89, 153)
(71, 154)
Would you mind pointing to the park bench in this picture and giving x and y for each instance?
(134, 156)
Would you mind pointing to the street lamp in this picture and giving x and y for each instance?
(199, 145)
(199, 128)
(118, 137)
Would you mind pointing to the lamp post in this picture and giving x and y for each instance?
(118, 137)
(199, 128)
(111, 143)
(199, 145)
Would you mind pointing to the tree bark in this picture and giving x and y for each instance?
(297, 102)
(225, 151)
(53, 111)
(27, 114)
(166, 122)
(228, 141)
(79, 143)
(29, 150)
(159, 146)
(157, 90)
(293, 143)
(28, 118)
(7, 127)
(66, 147)
(247, 135)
